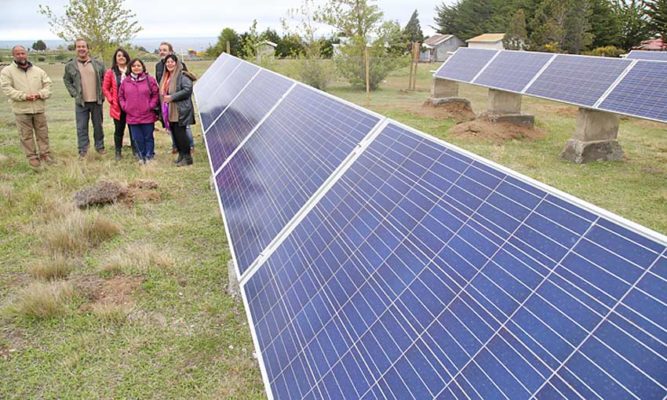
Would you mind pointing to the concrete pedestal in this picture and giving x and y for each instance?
(444, 88)
(594, 138)
(233, 287)
(502, 103)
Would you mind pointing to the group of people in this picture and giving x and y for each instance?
(136, 100)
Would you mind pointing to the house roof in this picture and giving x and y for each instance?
(437, 39)
(487, 38)
(652, 44)
(266, 42)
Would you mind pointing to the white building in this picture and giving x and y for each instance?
(493, 41)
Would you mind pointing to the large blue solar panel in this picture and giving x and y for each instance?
(205, 88)
(283, 164)
(425, 273)
(576, 79)
(225, 92)
(642, 92)
(512, 70)
(243, 115)
(465, 64)
(647, 55)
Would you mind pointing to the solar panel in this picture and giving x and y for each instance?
(465, 64)
(426, 272)
(647, 55)
(282, 164)
(579, 80)
(642, 92)
(512, 70)
(226, 91)
(243, 115)
(207, 89)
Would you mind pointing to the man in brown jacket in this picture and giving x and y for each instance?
(27, 87)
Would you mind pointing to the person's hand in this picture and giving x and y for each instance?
(167, 99)
(30, 97)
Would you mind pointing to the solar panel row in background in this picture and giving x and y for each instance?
(647, 55)
(283, 164)
(423, 271)
(207, 89)
(427, 273)
(629, 87)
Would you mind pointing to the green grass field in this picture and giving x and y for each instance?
(141, 311)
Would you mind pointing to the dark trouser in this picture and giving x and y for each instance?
(119, 132)
(89, 111)
(143, 139)
(180, 138)
(191, 139)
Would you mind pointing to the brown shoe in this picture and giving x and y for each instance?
(46, 158)
(101, 151)
(34, 162)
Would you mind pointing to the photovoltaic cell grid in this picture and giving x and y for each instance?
(424, 273)
(512, 70)
(226, 91)
(647, 55)
(577, 80)
(465, 64)
(243, 115)
(207, 89)
(284, 162)
(642, 92)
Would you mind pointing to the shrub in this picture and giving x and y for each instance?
(42, 300)
(352, 65)
(607, 51)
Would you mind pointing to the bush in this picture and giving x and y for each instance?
(41, 58)
(352, 66)
(607, 51)
(315, 72)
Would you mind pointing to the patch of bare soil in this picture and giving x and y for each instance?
(11, 341)
(116, 291)
(495, 131)
(458, 111)
(106, 192)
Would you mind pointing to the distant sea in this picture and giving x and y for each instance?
(181, 45)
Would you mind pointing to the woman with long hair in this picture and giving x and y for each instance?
(139, 96)
(112, 80)
(177, 108)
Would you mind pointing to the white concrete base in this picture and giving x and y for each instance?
(594, 138)
(504, 103)
(444, 88)
(233, 287)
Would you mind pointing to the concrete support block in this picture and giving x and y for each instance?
(526, 120)
(444, 88)
(594, 138)
(501, 102)
(233, 287)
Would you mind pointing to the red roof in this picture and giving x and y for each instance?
(651, 44)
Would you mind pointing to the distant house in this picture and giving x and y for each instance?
(265, 49)
(652, 44)
(436, 47)
(493, 41)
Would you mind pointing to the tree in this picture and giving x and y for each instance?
(516, 36)
(39, 45)
(656, 11)
(549, 25)
(577, 28)
(634, 25)
(227, 35)
(361, 23)
(104, 24)
(413, 30)
(249, 42)
(605, 24)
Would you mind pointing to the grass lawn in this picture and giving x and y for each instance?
(140, 310)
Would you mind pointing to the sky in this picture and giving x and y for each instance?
(20, 19)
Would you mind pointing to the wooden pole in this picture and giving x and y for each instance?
(228, 48)
(415, 58)
(412, 65)
(368, 72)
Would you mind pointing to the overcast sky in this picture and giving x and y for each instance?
(194, 18)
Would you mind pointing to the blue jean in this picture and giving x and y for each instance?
(143, 139)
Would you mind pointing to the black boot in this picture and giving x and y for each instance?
(118, 156)
(179, 159)
(187, 160)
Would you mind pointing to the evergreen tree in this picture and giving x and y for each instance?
(39, 45)
(577, 36)
(656, 11)
(548, 25)
(605, 24)
(413, 31)
(634, 25)
(516, 36)
(227, 35)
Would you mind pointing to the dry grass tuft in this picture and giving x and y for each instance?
(57, 268)
(74, 234)
(55, 208)
(111, 313)
(42, 300)
(7, 192)
(137, 257)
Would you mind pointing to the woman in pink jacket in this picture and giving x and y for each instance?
(112, 80)
(138, 96)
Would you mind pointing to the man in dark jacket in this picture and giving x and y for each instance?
(83, 80)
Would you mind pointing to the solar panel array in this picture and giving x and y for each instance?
(625, 86)
(647, 55)
(377, 262)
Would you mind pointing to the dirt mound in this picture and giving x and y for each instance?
(107, 192)
(495, 131)
(459, 110)
(116, 291)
